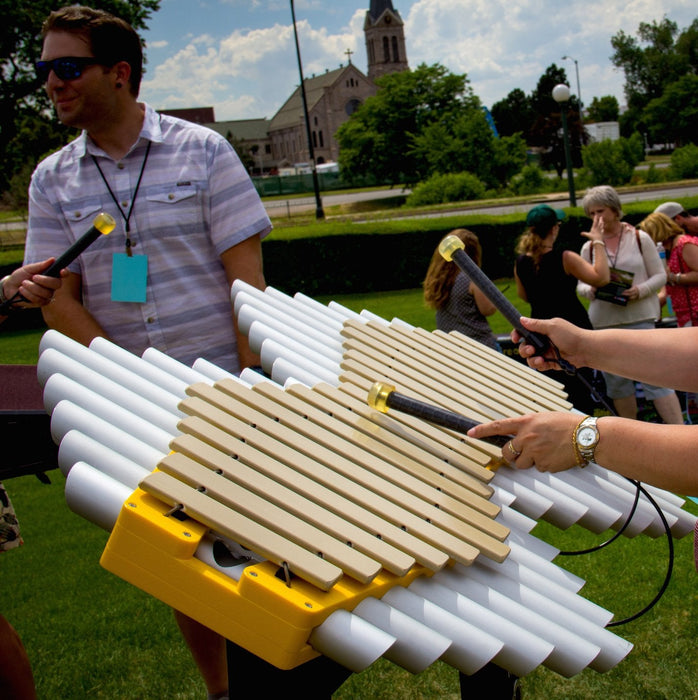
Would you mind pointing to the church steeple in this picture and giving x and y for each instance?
(378, 7)
(385, 39)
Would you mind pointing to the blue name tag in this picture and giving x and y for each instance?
(129, 275)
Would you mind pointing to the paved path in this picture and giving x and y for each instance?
(305, 204)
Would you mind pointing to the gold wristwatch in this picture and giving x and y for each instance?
(586, 438)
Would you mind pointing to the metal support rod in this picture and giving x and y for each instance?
(579, 91)
(568, 155)
(319, 213)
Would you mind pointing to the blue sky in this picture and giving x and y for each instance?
(239, 57)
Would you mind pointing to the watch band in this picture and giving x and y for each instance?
(577, 454)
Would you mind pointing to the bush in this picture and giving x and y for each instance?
(653, 174)
(17, 194)
(439, 189)
(684, 162)
(608, 163)
(529, 181)
(633, 148)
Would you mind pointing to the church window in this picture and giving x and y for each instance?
(395, 51)
(322, 140)
(386, 50)
(352, 106)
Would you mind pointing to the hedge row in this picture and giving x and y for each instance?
(365, 262)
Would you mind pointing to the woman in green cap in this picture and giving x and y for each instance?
(546, 277)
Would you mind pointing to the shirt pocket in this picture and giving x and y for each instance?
(81, 218)
(174, 211)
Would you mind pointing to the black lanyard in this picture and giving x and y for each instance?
(127, 217)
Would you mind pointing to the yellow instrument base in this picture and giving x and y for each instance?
(155, 552)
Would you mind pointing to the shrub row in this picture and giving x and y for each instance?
(375, 262)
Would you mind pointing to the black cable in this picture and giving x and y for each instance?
(620, 531)
(670, 565)
(8, 306)
(570, 369)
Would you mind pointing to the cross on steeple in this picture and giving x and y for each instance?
(348, 53)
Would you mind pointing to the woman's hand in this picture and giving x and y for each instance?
(632, 293)
(566, 337)
(597, 229)
(540, 440)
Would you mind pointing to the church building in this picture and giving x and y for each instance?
(282, 141)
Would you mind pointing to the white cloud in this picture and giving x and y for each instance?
(500, 45)
(248, 73)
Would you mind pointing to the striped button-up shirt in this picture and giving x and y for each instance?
(195, 201)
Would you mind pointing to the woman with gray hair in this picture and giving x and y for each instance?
(630, 300)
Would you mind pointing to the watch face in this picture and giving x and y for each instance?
(586, 437)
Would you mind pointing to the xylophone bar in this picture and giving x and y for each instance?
(259, 431)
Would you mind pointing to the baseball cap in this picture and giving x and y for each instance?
(670, 209)
(543, 217)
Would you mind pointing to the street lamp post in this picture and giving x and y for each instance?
(319, 213)
(561, 95)
(579, 92)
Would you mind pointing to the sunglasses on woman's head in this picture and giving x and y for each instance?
(66, 68)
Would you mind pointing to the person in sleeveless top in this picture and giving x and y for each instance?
(546, 278)
(682, 262)
(460, 305)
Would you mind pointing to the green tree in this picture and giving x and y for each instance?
(658, 56)
(509, 157)
(452, 145)
(246, 156)
(450, 187)
(24, 107)
(603, 109)
(530, 180)
(546, 132)
(514, 114)
(379, 138)
(672, 117)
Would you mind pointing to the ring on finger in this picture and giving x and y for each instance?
(516, 453)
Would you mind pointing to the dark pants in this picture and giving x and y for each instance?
(491, 682)
(316, 679)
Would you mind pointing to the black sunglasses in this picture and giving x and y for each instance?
(66, 68)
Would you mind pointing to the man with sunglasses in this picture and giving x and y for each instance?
(190, 220)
